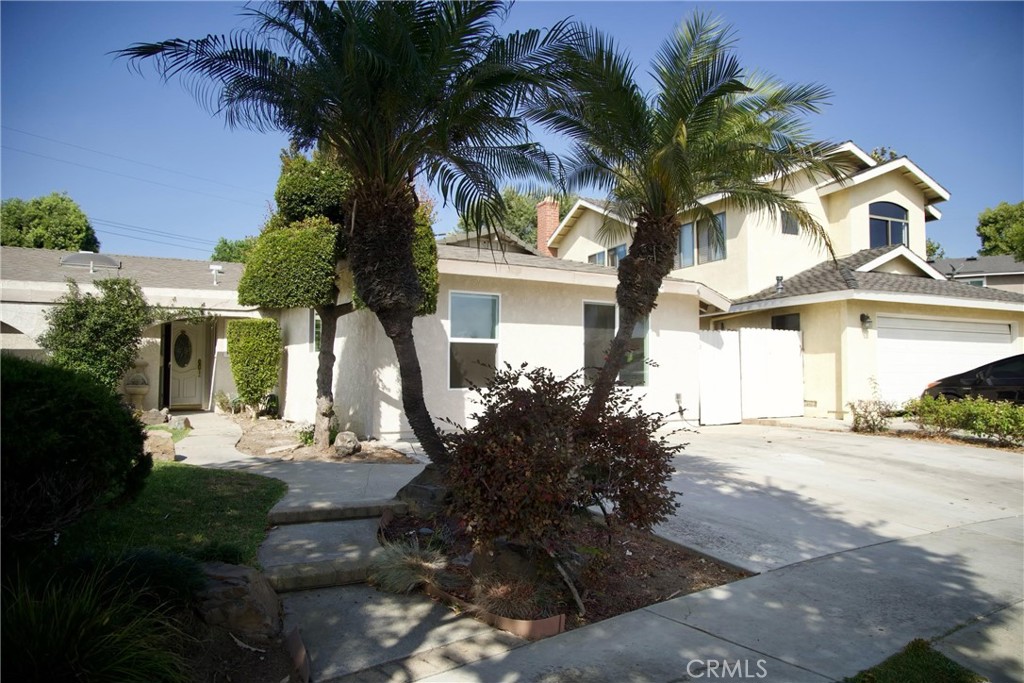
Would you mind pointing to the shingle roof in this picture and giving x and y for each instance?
(43, 265)
(842, 275)
(979, 265)
(470, 239)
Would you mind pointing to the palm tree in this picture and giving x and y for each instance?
(396, 91)
(708, 128)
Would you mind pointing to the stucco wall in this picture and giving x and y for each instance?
(585, 238)
(1010, 283)
(540, 324)
(891, 187)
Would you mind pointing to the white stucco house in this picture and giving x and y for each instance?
(879, 313)
(493, 307)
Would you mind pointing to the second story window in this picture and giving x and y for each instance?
(711, 239)
(888, 224)
(597, 259)
(616, 254)
(790, 226)
(684, 259)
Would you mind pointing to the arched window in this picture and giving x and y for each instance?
(889, 224)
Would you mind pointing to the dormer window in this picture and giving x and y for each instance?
(889, 224)
(704, 244)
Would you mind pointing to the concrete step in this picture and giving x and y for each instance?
(319, 554)
(356, 634)
(328, 512)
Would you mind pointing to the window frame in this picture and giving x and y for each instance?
(647, 339)
(496, 341)
(314, 333)
(597, 258)
(613, 255)
(790, 225)
(889, 220)
(720, 224)
(977, 281)
(686, 228)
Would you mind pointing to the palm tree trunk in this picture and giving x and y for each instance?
(385, 276)
(649, 261)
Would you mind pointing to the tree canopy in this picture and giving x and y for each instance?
(232, 251)
(53, 221)
(1001, 230)
(521, 212)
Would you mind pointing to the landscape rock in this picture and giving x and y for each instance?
(346, 443)
(180, 423)
(160, 445)
(240, 599)
(153, 417)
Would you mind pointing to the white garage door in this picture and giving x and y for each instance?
(915, 351)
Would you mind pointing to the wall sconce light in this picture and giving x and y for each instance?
(865, 321)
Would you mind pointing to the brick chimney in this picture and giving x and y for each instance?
(547, 223)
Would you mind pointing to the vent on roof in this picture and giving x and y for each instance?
(779, 288)
(971, 258)
(90, 260)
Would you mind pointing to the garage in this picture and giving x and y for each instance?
(915, 351)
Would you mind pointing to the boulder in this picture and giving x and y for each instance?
(160, 445)
(179, 423)
(346, 443)
(153, 417)
(240, 599)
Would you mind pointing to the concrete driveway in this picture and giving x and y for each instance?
(766, 497)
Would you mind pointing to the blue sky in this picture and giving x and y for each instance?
(940, 82)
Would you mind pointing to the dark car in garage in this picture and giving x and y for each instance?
(1002, 380)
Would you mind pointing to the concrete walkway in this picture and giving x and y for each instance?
(853, 566)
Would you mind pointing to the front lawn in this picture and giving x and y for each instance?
(202, 513)
(917, 663)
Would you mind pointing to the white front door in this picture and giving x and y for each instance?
(188, 344)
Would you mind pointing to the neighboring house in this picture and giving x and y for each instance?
(997, 272)
(32, 279)
(493, 308)
(880, 314)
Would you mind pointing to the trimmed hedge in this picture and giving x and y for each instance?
(67, 445)
(291, 268)
(254, 348)
(1001, 421)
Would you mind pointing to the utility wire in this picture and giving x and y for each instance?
(149, 231)
(107, 231)
(133, 161)
(130, 177)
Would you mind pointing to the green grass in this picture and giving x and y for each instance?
(917, 663)
(202, 513)
(176, 434)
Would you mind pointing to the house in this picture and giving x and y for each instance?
(493, 307)
(878, 314)
(998, 272)
(32, 279)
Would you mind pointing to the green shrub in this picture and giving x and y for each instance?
(1000, 421)
(98, 335)
(293, 267)
(87, 628)
(67, 446)
(530, 463)
(254, 347)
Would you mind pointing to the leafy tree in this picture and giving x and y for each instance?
(521, 213)
(708, 127)
(232, 251)
(1002, 230)
(54, 221)
(394, 91)
(98, 335)
(934, 250)
(884, 154)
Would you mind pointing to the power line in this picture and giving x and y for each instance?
(107, 231)
(133, 161)
(150, 231)
(130, 177)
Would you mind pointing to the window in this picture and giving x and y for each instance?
(684, 259)
(790, 226)
(888, 224)
(616, 254)
(1011, 367)
(711, 239)
(599, 324)
(977, 281)
(596, 259)
(473, 349)
(789, 321)
(315, 330)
